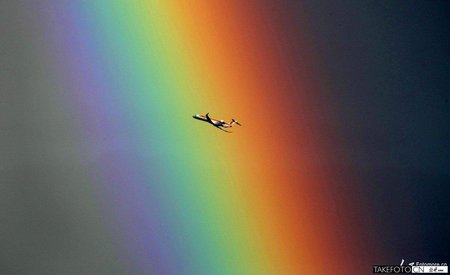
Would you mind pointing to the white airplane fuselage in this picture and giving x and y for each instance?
(214, 121)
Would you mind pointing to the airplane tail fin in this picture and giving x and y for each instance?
(233, 121)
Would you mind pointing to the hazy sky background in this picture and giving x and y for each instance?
(48, 219)
(385, 65)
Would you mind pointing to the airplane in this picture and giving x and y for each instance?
(220, 124)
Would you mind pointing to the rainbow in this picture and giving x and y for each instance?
(176, 196)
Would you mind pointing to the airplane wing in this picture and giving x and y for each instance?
(208, 118)
(218, 127)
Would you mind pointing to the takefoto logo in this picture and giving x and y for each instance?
(410, 264)
(412, 267)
